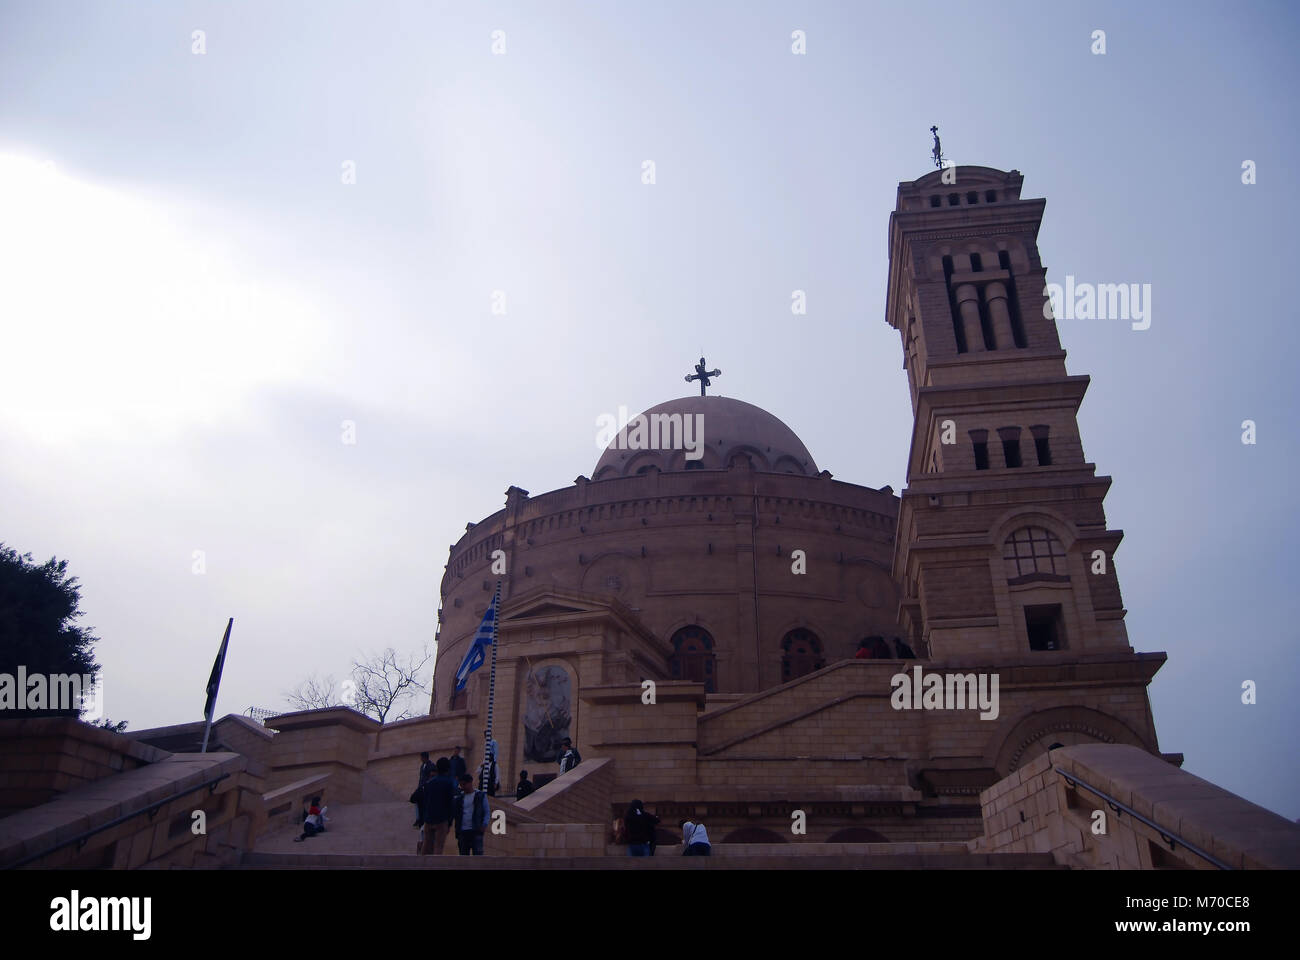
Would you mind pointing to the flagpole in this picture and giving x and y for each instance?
(217, 670)
(492, 692)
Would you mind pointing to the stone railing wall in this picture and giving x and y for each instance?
(583, 795)
(285, 805)
(143, 817)
(41, 758)
(1046, 807)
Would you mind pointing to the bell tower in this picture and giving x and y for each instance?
(1002, 546)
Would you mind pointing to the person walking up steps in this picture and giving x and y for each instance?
(437, 808)
(471, 817)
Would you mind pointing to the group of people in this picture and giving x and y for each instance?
(637, 830)
(447, 798)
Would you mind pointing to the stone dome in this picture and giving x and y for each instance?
(663, 437)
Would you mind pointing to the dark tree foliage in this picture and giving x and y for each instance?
(38, 610)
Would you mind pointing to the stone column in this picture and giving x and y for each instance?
(969, 307)
(995, 295)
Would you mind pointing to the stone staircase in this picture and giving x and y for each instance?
(358, 829)
(752, 861)
(379, 836)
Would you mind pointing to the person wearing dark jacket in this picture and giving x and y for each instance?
(470, 815)
(640, 828)
(428, 770)
(569, 756)
(437, 807)
(458, 765)
(525, 786)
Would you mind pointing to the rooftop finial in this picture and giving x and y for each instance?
(937, 153)
(702, 374)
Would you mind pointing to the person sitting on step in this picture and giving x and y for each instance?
(313, 821)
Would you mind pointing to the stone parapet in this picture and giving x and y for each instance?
(1087, 804)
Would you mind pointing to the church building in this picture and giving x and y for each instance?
(775, 607)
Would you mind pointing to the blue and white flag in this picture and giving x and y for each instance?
(477, 650)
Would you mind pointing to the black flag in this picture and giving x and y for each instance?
(214, 681)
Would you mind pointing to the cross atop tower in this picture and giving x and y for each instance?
(702, 374)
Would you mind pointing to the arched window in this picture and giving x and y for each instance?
(693, 658)
(1034, 551)
(856, 835)
(803, 654)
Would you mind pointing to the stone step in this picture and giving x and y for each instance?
(806, 848)
(355, 829)
(812, 861)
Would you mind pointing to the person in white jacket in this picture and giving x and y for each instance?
(695, 840)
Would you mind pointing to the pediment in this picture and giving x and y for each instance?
(544, 608)
(523, 612)
(551, 602)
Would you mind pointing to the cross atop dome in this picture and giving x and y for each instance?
(703, 374)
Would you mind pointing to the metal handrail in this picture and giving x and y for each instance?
(81, 838)
(1168, 836)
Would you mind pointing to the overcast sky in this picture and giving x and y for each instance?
(192, 301)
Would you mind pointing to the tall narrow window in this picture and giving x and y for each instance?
(957, 330)
(1013, 301)
(1010, 437)
(973, 197)
(954, 199)
(936, 200)
(986, 323)
(976, 263)
(990, 196)
(980, 441)
(1041, 446)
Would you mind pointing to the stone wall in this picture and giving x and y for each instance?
(1052, 804)
(583, 795)
(232, 733)
(653, 541)
(548, 840)
(41, 758)
(123, 804)
(394, 758)
(336, 741)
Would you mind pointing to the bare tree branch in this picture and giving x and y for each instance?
(314, 694)
(387, 681)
